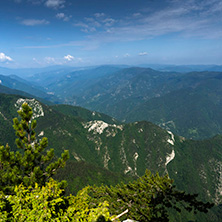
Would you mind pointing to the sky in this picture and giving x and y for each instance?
(39, 33)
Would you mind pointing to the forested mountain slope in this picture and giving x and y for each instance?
(191, 112)
(188, 104)
(127, 149)
(16, 83)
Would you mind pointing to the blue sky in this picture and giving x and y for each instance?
(38, 33)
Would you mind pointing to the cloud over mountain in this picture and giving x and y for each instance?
(68, 58)
(5, 58)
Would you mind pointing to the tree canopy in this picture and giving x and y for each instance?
(148, 198)
(32, 163)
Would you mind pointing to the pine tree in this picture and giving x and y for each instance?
(148, 198)
(32, 163)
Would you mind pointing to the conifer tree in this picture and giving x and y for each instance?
(32, 163)
(148, 198)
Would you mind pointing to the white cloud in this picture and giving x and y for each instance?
(191, 18)
(60, 15)
(127, 55)
(137, 14)
(69, 58)
(98, 15)
(63, 16)
(143, 53)
(85, 28)
(50, 60)
(109, 21)
(35, 2)
(34, 22)
(97, 23)
(55, 4)
(5, 58)
(81, 24)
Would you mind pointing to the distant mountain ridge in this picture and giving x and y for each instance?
(16, 83)
(187, 104)
(160, 97)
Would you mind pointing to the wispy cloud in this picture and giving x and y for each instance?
(34, 22)
(63, 16)
(98, 15)
(85, 27)
(5, 58)
(137, 14)
(50, 60)
(187, 19)
(98, 22)
(109, 21)
(127, 55)
(142, 53)
(36, 2)
(191, 18)
(55, 4)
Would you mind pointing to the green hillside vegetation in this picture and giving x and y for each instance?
(83, 114)
(113, 148)
(28, 192)
(127, 149)
(6, 90)
(22, 85)
(70, 84)
(193, 113)
(188, 104)
(81, 174)
(119, 92)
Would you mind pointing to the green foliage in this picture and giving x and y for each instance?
(26, 194)
(193, 160)
(148, 199)
(14, 85)
(33, 164)
(80, 174)
(83, 114)
(47, 203)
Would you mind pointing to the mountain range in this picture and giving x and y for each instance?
(152, 121)
(187, 104)
(121, 150)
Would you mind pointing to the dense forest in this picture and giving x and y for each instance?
(29, 193)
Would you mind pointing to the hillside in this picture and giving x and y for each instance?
(193, 111)
(92, 140)
(188, 104)
(126, 149)
(17, 83)
(7, 90)
(83, 114)
(67, 84)
(120, 91)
